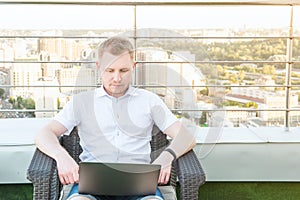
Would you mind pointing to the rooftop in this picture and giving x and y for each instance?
(243, 162)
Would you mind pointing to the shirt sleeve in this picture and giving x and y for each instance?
(67, 118)
(161, 114)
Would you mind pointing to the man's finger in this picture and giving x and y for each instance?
(62, 180)
(76, 177)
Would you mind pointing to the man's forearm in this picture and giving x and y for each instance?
(182, 142)
(48, 143)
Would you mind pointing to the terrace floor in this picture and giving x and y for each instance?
(209, 191)
(240, 163)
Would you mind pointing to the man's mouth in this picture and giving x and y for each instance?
(116, 85)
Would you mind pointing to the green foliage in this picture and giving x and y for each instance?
(2, 92)
(58, 103)
(203, 119)
(204, 92)
(21, 103)
(268, 69)
(11, 100)
(246, 105)
(267, 49)
(273, 49)
(28, 103)
(232, 103)
(16, 192)
(251, 105)
(249, 191)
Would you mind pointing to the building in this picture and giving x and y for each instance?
(265, 100)
(24, 75)
(175, 81)
(75, 79)
(61, 47)
(46, 98)
(6, 54)
(49, 69)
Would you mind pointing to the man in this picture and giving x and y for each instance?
(114, 122)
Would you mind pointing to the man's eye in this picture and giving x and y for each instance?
(109, 70)
(124, 70)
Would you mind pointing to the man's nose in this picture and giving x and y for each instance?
(117, 76)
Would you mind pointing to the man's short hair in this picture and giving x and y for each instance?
(115, 46)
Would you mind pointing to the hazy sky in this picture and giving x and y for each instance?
(98, 17)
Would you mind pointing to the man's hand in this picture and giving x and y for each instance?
(165, 160)
(68, 169)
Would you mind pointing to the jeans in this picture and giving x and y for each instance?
(74, 192)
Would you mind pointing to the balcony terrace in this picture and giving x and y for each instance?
(236, 82)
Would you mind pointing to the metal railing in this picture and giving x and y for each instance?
(289, 62)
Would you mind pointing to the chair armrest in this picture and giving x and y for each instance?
(190, 174)
(42, 173)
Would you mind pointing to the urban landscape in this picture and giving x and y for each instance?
(229, 70)
(42, 73)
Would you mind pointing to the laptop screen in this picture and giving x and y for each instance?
(118, 178)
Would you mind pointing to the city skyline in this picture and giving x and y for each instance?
(228, 21)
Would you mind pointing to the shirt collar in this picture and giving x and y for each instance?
(100, 92)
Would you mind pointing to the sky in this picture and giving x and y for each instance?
(173, 17)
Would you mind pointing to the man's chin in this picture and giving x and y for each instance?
(117, 93)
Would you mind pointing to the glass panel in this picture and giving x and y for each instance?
(213, 21)
(209, 80)
(296, 21)
(296, 52)
(55, 18)
(267, 118)
(295, 117)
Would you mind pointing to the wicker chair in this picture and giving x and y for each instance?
(42, 170)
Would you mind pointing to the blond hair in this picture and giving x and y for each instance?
(115, 46)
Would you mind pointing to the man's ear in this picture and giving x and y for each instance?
(98, 65)
(134, 65)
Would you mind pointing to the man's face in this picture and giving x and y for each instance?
(116, 73)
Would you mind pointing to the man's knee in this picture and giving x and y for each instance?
(152, 198)
(81, 197)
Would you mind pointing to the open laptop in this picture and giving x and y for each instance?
(118, 178)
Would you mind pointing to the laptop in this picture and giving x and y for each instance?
(118, 178)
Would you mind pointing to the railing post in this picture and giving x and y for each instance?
(289, 64)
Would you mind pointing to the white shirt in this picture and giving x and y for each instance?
(119, 128)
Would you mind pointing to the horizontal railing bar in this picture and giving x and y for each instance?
(151, 37)
(50, 62)
(46, 86)
(27, 110)
(174, 110)
(156, 3)
(215, 85)
(218, 62)
(166, 62)
(144, 86)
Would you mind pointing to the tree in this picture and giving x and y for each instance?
(251, 105)
(241, 75)
(233, 78)
(268, 69)
(28, 103)
(58, 103)
(204, 92)
(19, 102)
(2, 92)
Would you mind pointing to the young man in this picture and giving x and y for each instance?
(114, 122)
